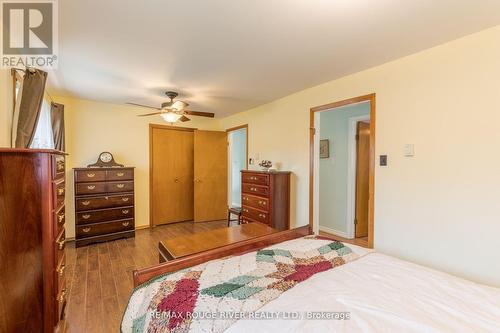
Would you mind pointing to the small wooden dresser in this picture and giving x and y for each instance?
(104, 204)
(32, 240)
(265, 198)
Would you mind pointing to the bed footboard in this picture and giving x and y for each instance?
(145, 274)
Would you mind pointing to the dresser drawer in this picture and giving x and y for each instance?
(90, 188)
(60, 276)
(102, 215)
(255, 178)
(254, 214)
(103, 228)
(255, 189)
(255, 202)
(127, 174)
(59, 191)
(126, 186)
(61, 304)
(104, 202)
(59, 219)
(59, 245)
(90, 175)
(58, 166)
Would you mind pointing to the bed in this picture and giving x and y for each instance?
(360, 290)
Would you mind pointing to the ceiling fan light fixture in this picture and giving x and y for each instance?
(171, 117)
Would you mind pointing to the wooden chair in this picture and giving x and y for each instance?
(236, 211)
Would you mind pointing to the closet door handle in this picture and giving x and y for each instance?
(176, 180)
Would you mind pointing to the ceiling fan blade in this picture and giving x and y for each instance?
(150, 114)
(199, 113)
(144, 106)
(184, 119)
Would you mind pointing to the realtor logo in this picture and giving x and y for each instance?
(29, 34)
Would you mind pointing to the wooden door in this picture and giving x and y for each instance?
(362, 178)
(210, 176)
(172, 174)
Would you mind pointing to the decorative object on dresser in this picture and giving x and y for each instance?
(104, 204)
(265, 165)
(32, 240)
(265, 198)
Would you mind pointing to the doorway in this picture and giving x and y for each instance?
(188, 175)
(342, 169)
(237, 160)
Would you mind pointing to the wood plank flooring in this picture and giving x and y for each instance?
(99, 276)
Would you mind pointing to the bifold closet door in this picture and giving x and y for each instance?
(210, 176)
(172, 175)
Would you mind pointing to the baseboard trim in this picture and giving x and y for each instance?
(141, 227)
(334, 232)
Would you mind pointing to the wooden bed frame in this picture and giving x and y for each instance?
(145, 274)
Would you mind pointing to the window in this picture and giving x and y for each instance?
(43, 139)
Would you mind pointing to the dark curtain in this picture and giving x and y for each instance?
(57, 118)
(29, 109)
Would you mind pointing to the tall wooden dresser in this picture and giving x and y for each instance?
(32, 240)
(265, 198)
(104, 204)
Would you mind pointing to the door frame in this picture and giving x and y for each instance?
(314, 150)
(229, 184)
(351, 173)
(151, 127)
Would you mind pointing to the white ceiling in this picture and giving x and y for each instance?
(226, 56)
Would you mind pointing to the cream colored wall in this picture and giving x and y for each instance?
(5, 107)
(93, 127)
(439, 208)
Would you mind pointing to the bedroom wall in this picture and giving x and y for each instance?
(333, 171)
(440, 207)
(5, 107)
(93, 127)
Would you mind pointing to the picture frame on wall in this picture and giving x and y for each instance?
(324, 148)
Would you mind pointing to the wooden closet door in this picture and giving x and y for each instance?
(210, 176)
(171, 175)
(362, 178)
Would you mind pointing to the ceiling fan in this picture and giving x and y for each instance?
(173, 111)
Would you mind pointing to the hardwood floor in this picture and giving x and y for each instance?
(99, 276)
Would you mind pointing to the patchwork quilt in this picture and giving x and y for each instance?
(210, 297)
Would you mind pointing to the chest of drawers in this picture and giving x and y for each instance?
(265, 198)
(104, 204)
(32, 240)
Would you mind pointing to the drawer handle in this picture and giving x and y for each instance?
(60, 191)
(120, 174)
(61, 243)
(125, 199)
(253, 189)
(86, 203)
(245, 210)
(90, 175)
(61, 269)
(262, 215)
(86, 229)
(60, 166)
(60, 217)
(120, 185)
(90, 187)
(86, 216)
(125, 224)
(125, 211)
(62, 296)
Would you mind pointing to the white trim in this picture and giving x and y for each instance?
(351, 174)
(334, 232)
(317, 135)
